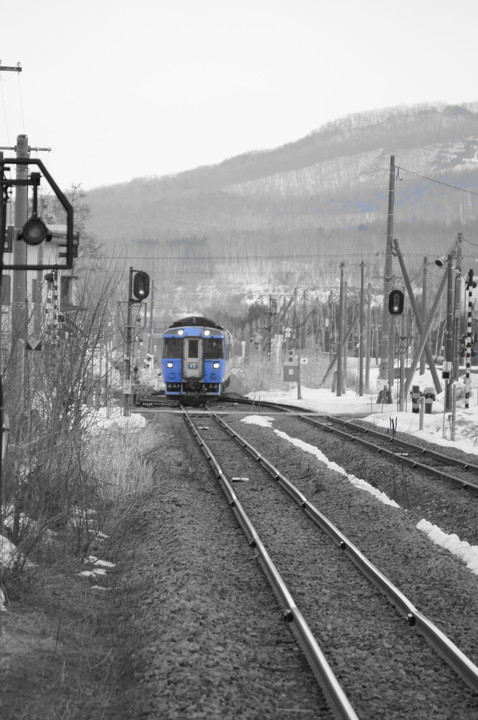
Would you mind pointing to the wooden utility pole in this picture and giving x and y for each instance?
(19, 277)
(385, 372)
(2, 419)
(341, 333)
(19, 280)
(424, 307)
(458, 307)
(128, 347)
(361, 334)
(150, 348)
(368, 338)
(450, 300)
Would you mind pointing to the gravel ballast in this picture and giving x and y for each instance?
(201, 628)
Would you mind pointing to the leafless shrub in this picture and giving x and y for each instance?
(59, 480)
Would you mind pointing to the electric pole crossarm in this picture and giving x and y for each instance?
(10, 68)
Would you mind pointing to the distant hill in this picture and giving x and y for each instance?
(322, 197)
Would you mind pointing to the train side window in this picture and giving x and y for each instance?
(213, 348)
(172, 348)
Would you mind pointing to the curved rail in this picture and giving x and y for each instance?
(463, 464)
(460, 663)
(415, 464)
(307, 416)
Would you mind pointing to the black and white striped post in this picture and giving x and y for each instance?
(470, 284)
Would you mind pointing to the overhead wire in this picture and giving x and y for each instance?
(438, 182)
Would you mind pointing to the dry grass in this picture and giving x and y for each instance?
(58, 635)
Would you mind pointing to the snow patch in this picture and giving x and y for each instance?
(266, 421)
(360, 484)
(8, 552)
(262, 420)
(462, 549)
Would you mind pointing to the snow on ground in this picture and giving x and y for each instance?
(436, 425)
(437, 429)
(110, 418)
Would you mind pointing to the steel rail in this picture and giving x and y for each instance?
(405, 443)
(415, 464)
(333, 691)
(445, 647)
(309, 416)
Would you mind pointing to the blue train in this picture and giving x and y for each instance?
(196, 357)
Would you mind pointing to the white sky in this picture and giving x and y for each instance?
(128, 89)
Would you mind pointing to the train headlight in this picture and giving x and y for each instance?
(169, 365)
(180, 332)
(207, 332)
(216, 365)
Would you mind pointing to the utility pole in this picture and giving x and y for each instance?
(128, 345)
(449, 327)
(384, 370)
(424, 308)
(470, 284)
(368, 338)
(340, 334)
(19, 277)
(2, 417)
(150, 347)
(458, 307)
(19, 280)
(361, 334)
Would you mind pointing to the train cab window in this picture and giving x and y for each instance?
(213, 348)
(193, 349)
(172, 348)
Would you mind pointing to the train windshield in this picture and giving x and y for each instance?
(213, 348)
(172, 348)
(193, 348)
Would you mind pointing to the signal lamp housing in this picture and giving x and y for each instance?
(141, 285)
(34, 231)
(395, 302)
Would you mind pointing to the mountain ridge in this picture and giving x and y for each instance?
(332, 181)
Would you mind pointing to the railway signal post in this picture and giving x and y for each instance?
(138, 290)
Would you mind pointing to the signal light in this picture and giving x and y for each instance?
(395, 302)
(141, 285)
(34, 231)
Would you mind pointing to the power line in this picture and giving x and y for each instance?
(438, 182)
(252, 258)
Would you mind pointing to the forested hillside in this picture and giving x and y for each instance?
(307, 205)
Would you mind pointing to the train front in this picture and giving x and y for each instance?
(194, 358)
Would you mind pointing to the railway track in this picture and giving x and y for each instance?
(345, 620)
(460, 471)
